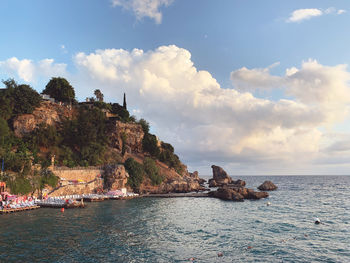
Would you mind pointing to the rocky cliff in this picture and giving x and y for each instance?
(48, 113)
(120, 135)
(131, 133)
(173, 182)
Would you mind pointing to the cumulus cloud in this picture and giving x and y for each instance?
(144, 8)
(300, 15)
(189, 108)
(30, 71)
(313, 84)
(255, 79)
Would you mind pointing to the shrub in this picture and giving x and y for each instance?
(121, 112)
(4, 131)
(172, 160)
(19, 185)
(145, 125)
(136, 172)
(102, 105)
(152, 171)
(150, 144)
(48, 178)
(167, 147)
(46, 136)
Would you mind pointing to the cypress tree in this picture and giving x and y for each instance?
(124, 101)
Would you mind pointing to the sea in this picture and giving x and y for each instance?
(192, 229)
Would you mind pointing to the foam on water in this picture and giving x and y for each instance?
(174, 230)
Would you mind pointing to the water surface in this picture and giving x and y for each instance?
(174, 230)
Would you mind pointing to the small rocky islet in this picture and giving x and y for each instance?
(232, 190)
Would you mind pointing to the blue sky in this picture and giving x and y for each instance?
(220, 36)
(235, 42)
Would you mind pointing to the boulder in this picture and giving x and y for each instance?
(256, 195)
(267, 186)
(237, 197)
(195, 176)
(219, 176)
(239, 182)
(179, 185)
(227, 194)
(212, 183)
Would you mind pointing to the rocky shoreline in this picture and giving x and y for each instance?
(227, 189)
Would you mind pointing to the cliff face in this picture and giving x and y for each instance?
(133, 135)
(115, 177)
(48, 113)
(172, 182)
(119, 133)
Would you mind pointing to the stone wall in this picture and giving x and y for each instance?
(78, 189)
(89, 181)
(86, 175)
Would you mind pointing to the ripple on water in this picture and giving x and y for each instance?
(174, 230)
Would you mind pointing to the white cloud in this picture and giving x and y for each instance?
(209, 124)
(313, 85)
(144, 8)
(188, 108)
(254, 79)
(304, 14)
(300, 15)
(30, 71)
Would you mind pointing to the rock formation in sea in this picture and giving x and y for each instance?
(232, 190)
(220, 177)
(267, 186)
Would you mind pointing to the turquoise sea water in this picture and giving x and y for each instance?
(174, 230)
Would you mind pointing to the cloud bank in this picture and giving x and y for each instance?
(209, 124)
(144, 8)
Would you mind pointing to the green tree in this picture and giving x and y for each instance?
(145, 125)
(4, 131)
(136, 172)
(61, 90)
(150, 144)
(99, 95)
(6, 99)
(25, 99)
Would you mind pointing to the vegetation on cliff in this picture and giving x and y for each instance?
(78, 140)
(61, 90)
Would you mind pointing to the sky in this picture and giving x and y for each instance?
(259, 87)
